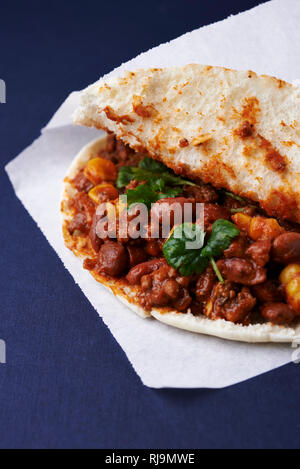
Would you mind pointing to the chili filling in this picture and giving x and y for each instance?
(245, 270)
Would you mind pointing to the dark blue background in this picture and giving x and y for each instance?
(67, 383)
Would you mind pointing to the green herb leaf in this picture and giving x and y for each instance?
(125, 175)
(157, 184)
(158, 179)
(216, 270)
(236, 197)
(240, 200)
(223, 232)
(151, 171)
(152, 165)
(142, 194)
(186, 261)
(143, 174)
(146, 195)
(155, 180)
(170, 192)
(170, 178)
(196, 259)
(237, 210)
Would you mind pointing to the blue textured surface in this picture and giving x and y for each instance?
(67, 383)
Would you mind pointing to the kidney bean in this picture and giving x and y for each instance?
(221, 294)
(136, 273)
(137, 255)
(237, 309)
(242, 271)
(112, 259)
(161, 288)
(201, 193)
(172, 288)
(260, 252)
(278, 313)
(196, 308)
(153, 248)
(286, 248)
(213, 212)
(236, 249)
(268, 292)
(205, 284)
(157, 297)
(95, 240)
(231, 303)
(184, 300)
(183, 281)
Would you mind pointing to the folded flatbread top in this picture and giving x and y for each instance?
(236, 130)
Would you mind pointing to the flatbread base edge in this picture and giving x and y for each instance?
(127, 294)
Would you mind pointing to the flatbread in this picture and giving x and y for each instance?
(128, 294)
(234, 129)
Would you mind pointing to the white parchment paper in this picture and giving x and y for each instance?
(265, 39)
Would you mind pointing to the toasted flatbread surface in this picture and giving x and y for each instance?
(128, 294)
(234, 129)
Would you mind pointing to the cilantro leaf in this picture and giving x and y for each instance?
(237, 210)
(235, 197)
(155, 180)
(157, 184)
(223, 232)
(151, 171)
(141, 194)
(216, 270)
(186, 261)
(152, 165)
(166, 174)
(125, 175)
(146, 195)
(160, 182)
(239, 199)
(170, 192)
(170, 178)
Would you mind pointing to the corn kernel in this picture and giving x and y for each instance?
(264, 228)
(293, 288)
(103, 193)
(293, 294)
(98, 170)
(242, 221)
(289, 273)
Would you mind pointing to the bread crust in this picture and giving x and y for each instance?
(240, 131)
